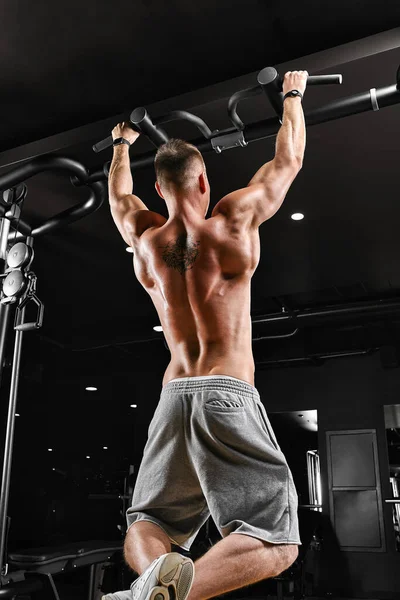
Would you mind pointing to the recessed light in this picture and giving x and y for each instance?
(105, 448)
(301, 416)
(50, 449)
(297, 216)
(157, 328)
(88, 457)
(91, 389)
(129, 249)
(133, 405)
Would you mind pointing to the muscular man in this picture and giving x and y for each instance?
(211, 449)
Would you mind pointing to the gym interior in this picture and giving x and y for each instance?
(82, 354)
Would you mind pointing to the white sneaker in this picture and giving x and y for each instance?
(169, 577)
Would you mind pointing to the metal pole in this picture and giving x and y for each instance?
(4, 308)
(8, 448)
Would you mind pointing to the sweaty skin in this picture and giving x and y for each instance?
(198, 277)
(198, 271)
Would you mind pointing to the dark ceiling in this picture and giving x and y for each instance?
(70, 71)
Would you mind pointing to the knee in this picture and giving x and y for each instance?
(287, 555)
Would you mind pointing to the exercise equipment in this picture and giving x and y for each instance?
(17, 290)
(269, 82)
(32, 570)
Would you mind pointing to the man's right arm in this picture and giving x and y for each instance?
(266, 191)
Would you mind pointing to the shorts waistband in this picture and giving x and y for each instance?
(224, 383)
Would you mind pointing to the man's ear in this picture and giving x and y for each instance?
(202, 183)
(159, 192)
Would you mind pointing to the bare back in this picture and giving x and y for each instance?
(198, 277)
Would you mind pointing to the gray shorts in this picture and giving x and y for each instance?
(211, 450)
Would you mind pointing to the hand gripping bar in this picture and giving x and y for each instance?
(141, 121)
(272, 84)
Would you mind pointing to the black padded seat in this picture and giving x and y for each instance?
(31, 571)
(80, 553)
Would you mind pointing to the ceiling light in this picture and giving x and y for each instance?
(91, 389)
(88, 457)
(50, 449)
(129, 249)
(297, 216)
(133, 405)
(105, 448)
(157, 328)
(17, 415)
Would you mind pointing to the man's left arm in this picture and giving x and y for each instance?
(124, 205)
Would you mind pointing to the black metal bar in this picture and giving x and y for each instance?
(141, 120)
(299, 318)
(359, 310)
(103, 144)
(8, 447)
(234, 101)
(177, 115)
(4, 308)
(72, 214)
(272, 83)
(108, 141)
(269, 127)
(338, 109)
(38, 165)
(22, 225)
(47, 163)
(4, 321)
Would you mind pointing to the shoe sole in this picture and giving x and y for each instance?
(175, 580)
(176, 572)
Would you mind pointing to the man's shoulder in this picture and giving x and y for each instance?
(142, 220)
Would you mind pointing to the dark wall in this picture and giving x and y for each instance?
(348, 394)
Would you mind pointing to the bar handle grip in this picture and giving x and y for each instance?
(269, 76)
(141, 121)
(272, 84)
(108, 142)
(100, 146)
(335, 79)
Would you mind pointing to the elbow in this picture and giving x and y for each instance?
(299, 163)
(291, 162)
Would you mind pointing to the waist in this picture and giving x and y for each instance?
(223, 383)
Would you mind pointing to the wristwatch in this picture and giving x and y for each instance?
(293, 94)
(120, 140)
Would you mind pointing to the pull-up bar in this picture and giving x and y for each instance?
(270, 83)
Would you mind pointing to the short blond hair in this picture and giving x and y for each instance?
(175, 163)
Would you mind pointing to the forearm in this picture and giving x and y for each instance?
(291, 139)
(120, 182)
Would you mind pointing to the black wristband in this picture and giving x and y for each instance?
(293, 94)
(121, 140)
